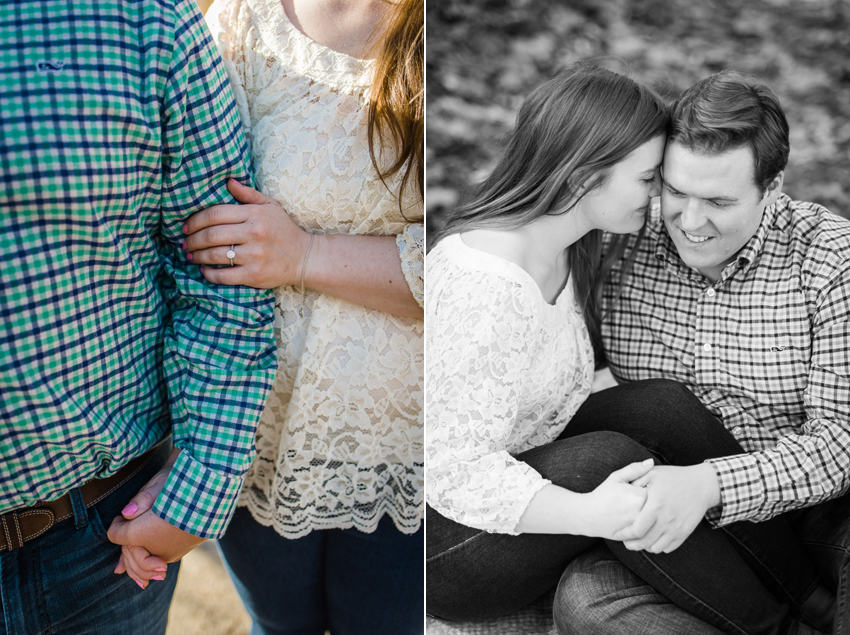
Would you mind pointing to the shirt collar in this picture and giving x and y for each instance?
(665, 252)
(749, 254)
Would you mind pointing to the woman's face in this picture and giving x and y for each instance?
(620, 206)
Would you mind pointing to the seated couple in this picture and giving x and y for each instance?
(715, 471)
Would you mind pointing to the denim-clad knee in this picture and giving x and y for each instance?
(598, 595)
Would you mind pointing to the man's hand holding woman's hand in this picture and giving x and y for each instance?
(269, 246)
(677, 500)
(616, 502)
(141, 533)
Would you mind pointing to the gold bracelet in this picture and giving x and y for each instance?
(303, 271)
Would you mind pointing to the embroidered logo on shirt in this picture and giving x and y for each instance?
(51, 66)
(777, 349)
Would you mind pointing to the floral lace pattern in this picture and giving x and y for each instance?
(505, 373)
(341, 440)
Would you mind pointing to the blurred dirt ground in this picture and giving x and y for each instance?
(205, 602)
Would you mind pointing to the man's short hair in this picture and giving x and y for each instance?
(730, 110)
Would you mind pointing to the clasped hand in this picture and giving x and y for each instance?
(141, 533)
(269, 246)
(677, 500)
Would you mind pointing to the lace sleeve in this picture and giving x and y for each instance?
(229, 21)
(478, 334)
(411, 247)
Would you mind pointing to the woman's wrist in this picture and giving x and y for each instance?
(365, 270)
(292, 258)
(309, 274)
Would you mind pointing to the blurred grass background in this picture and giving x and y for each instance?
(485, 56)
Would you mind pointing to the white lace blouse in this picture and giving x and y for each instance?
(340, 442)
(505, 372)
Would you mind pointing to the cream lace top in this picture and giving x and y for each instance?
(340, 442)
(505, 373)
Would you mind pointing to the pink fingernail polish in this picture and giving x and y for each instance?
(189, 255)
(186, 228)
(158, 577)
(161, 569)
(202, 269)
(116, 570)
(184, 245)
(141, 586)
(130, 509)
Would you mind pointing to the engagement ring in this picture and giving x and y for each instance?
(231, 254)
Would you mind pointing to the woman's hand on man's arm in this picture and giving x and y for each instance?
(269, 246)
(271, 249)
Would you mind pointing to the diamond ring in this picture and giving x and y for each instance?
(231, 254)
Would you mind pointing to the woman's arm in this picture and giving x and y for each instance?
(271, 249)
(600, 514)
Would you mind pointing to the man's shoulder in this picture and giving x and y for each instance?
(814, 229)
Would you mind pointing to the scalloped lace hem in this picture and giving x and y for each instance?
(312, 519)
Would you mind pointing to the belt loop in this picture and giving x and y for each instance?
(81, 516)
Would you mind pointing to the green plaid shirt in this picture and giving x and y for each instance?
(117, 124)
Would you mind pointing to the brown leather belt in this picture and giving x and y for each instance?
(21, 526)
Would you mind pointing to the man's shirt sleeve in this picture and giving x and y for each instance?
(812, 465)
(219, 353)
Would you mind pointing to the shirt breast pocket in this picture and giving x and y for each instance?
(770, 362)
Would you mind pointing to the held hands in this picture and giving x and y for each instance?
(269, 246)
(142, 533)
(677, 500)
(616, 502)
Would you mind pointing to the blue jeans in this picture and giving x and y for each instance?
(63, 582)
(729, 580)
(342, 580)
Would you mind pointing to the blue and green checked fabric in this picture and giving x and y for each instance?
(116, 124)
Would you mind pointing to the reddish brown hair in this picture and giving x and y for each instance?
(397, 103)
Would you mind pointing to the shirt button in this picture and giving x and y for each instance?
(737, 431)
(710, 293)
(706, 347)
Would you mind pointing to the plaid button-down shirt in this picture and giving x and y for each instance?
(766, 348)
(117, 123)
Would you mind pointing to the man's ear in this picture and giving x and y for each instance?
(774, 189)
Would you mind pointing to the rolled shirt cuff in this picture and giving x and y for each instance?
(197, 499)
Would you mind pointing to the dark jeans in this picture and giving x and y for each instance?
(475, 575)
(342, 580)
(823, 530)
(599, 595)
(63, 581)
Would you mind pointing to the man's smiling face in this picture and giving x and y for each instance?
(711, 204)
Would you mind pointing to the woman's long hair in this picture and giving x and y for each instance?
(569, 132)
(396, 117)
